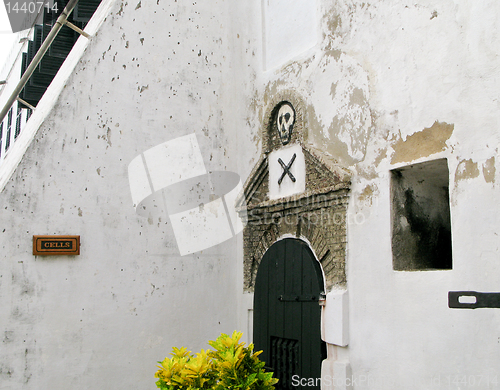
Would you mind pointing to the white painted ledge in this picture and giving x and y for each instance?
(335, 318)
(18, 148)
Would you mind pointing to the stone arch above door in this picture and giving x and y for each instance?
(317, 212)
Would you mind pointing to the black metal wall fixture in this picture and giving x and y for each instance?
(473, 300)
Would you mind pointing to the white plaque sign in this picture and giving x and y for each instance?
(287, 172)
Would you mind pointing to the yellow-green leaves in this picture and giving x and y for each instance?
(196, 370)
(180, 352)
(230, 365)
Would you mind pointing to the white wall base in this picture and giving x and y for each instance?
(336, 375)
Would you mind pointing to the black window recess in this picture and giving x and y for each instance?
(58, 50)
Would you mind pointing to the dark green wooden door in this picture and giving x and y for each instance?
(287, 315)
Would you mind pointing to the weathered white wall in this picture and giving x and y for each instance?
(390, 84)
(154, 71)
(288, 29)
(431, 62)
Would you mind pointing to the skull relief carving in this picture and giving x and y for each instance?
(285, 120)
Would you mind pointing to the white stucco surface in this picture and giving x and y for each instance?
(153, 72)
(395, 84)
(387, 84)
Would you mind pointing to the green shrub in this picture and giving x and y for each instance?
(230, 365)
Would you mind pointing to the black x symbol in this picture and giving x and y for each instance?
(286, 169)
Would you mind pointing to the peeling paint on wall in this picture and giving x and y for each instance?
(366, 195)
(424, 143)
(338, 114)
(489, 170)
(466, 169)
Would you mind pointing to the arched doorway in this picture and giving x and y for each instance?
(287, 315)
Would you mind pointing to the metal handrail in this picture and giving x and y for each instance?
(61, 20)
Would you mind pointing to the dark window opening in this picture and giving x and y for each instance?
(18, 122)
(1, 137)
(58, 51)
(9, 127)
(421, 225)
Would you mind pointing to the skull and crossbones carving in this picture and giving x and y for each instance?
(284, 121)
